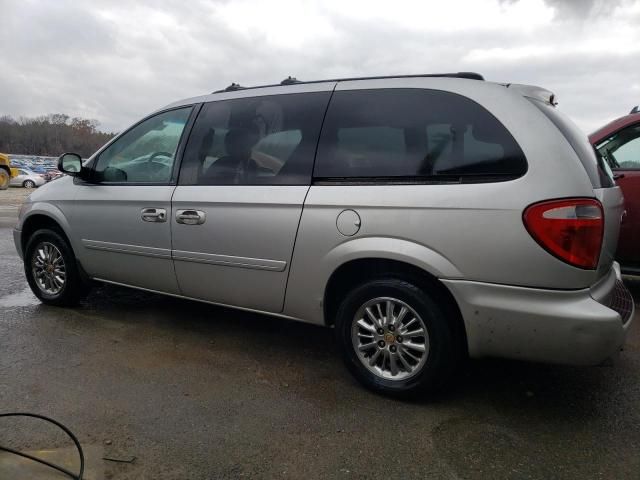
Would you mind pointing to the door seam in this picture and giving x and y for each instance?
(304, 201)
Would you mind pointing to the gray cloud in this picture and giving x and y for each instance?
(584, 8)
(580, 9)
(116, 62)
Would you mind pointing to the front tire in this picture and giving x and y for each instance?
(29, 184)
(396, 338)
(51, 269)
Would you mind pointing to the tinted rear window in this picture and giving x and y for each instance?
(265, 140)
(414, 133)
(597, 169)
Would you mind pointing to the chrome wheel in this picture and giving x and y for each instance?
(390, 338)
(29, 184)
(48, 268)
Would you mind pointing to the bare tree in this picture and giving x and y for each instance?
(51, 135)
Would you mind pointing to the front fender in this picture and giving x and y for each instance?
(30, 210)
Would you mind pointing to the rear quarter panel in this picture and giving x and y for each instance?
(454, 231)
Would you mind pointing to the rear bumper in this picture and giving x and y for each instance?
(579, 327)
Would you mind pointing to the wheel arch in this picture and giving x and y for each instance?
(356, 271)
(39, 219)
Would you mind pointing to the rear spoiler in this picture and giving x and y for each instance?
(536, 93)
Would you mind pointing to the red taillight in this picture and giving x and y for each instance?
(570, 229)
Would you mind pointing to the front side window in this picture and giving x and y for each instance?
(268, 140)
(622, 150)
(413, 133)
(146, 153)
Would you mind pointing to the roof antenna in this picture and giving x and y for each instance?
(635, 109)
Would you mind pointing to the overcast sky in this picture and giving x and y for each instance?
(116, 61)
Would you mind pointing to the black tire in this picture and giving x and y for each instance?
(29, 184)
(444, 352)
(5, 179)
(74, 288)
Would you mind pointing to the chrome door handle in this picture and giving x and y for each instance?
(190, 217)
(154, 214)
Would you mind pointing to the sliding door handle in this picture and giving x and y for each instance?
(190, 217)
(154, 214)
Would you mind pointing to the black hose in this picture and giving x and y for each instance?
(44, 462)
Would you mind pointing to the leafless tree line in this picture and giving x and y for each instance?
(50, 135)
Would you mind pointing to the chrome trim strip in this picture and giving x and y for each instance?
(196, 257)
(230, 261)
(127, 249)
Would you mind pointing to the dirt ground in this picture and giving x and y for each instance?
(10, 201)
(13, 196)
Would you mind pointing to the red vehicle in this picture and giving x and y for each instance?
(618, 143)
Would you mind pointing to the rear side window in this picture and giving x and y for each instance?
(414, 133)
(268, 140)
(599, 172)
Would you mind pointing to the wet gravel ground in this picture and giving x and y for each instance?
(10, 201)
(199, 392)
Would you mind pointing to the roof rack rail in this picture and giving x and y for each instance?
(290, 81)
(469, 75)
(231, 88)
(294, 81)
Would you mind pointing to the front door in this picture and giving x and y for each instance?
(622, 152)
(243, 181)
(121, 214)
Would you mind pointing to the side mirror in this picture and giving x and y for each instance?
(70, 163)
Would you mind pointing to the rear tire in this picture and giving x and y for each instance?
(29, 184)
(397, 360)
(5, 179)
(51, 269)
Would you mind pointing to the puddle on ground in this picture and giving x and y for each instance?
(24, 298)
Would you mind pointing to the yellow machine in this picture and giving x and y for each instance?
(6, 172)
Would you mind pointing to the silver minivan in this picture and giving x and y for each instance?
(426, 218)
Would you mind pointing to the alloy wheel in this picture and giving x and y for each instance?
(49, 270)
(390, 338)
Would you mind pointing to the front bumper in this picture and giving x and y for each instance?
(578, 327)
(17, 235)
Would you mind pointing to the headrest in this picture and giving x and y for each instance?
(240, 141)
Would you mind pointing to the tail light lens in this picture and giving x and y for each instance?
(570, 229)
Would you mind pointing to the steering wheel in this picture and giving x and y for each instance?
(159, 154)
(153, 172)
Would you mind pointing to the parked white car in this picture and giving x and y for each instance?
(27, 179)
